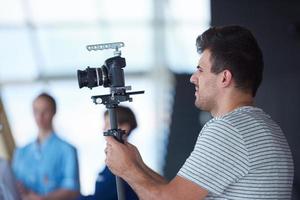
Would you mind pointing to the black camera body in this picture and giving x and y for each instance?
(111, 74)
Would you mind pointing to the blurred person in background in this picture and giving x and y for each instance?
(46, 168)
(105, 187)
(8, 187)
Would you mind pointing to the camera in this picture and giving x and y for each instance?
(111, 74)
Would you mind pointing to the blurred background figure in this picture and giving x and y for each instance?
(8, 189)
(48, 166)
(105, 187)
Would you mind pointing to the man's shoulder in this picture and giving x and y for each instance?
(219, 123)
(220, 129)
(224, 126)
(63, 144)
(242, 115)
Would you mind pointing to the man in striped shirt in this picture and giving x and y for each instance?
(241, 153)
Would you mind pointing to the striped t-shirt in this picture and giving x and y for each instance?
(241, 155)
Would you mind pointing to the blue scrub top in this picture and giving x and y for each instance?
(46, 167)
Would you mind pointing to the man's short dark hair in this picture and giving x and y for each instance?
(49, 98)
(234, 48)
(125, 116)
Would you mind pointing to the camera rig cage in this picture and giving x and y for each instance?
(109, 75)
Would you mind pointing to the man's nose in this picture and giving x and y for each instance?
(193, 79)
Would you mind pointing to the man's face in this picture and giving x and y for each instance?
(205, 83)
(43, 113)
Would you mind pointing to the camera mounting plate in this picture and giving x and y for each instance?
(111, 100)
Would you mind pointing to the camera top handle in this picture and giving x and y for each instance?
(115, 45)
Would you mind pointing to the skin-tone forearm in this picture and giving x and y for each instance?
(145, 182)
(154, 175)
(148, 187)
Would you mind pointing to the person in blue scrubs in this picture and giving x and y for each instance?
(46, 168)
(105, 187)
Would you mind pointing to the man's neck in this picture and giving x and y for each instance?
(44, 134)
(231, 103)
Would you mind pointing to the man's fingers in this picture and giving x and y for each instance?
(110, 140)
(111, 143)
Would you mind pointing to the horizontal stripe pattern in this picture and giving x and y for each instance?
(241, 155)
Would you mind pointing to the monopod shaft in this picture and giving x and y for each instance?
(114, 125)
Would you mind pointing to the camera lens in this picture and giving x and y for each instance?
(90, 77)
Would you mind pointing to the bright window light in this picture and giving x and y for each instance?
(129, 10)
(57, 11)
(11, 12)
(17, 57)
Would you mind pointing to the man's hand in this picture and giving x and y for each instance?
(125, 161)
(122, 159)
(21, 188)
(27, 194)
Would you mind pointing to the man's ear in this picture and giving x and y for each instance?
(226, 78)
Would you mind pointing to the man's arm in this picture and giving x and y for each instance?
(125, 161)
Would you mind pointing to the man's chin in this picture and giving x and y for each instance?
(198, 105)
(201, 107)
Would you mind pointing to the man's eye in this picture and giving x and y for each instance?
(199, 69)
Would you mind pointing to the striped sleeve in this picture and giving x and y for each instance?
(219, 158)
